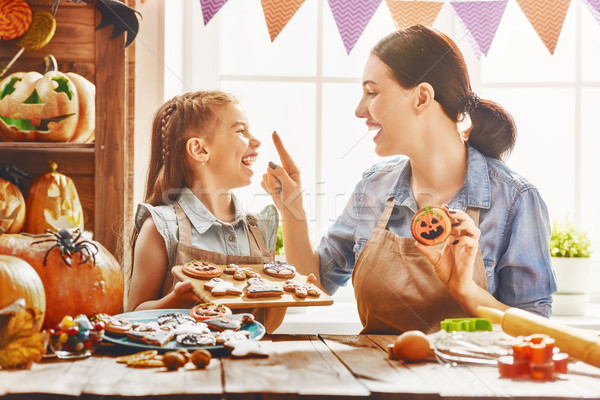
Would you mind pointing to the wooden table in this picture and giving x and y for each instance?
(298, 366)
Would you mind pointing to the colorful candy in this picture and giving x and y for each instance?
(15, 18)
(75, 336)
(534, 357)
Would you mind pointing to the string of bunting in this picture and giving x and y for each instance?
(480, 18)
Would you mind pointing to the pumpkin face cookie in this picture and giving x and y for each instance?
(202, 269)
(206, 311)
(279, 269)
(431, 225)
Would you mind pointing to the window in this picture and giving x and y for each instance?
(306, 87)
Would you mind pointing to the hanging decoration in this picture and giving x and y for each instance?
(210, 8)
(278, 14)
(352, 17)
(547, 18)
(480, 20)
(15, 18)
(412, 12)
(594, 7)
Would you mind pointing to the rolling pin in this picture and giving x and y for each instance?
(577, 343)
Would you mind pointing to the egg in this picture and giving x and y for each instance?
(411, 346)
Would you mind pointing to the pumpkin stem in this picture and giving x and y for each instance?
(52, 166)
(49, 63)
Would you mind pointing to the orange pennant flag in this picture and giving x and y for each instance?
(547, 18)
(408, 13)
(278, 13)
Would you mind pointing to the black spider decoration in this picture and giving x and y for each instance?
(69, 245)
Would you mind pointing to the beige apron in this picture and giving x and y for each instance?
(396, 287)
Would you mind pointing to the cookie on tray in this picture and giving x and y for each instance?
(202, 269)
(151, 334)
(258, 287)
(279, 269)
(221, 287)
(206, 311)
(431, 225)
(114, 325)
(174, 319)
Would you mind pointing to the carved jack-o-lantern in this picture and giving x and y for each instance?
(53, 203)
(53, 107)
(431, 225)
(12, 208)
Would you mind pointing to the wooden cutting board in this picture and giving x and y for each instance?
(287, 300)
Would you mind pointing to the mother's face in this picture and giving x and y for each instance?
(388, 109)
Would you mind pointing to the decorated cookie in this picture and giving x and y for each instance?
(257, 287)
(201, 269)
(301, 290)
(220, 287)
(144, 355)
(279, 269)
(151, 334)
(191, 327)
(245, 348)
(196, 339)
(229, 334)
(241, 273)
(175, 319)
(431, 225)
(233, 322)
(206, 311)
(114, 325)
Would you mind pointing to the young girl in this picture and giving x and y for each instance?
(201, 149)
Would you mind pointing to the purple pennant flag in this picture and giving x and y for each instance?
(480, 19)
(210, 8)
(594, 6)
(351, 17)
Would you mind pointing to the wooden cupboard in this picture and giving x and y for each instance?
(102, 171)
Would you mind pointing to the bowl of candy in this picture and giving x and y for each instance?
(76, 337)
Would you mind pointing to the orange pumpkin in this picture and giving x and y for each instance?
(53, 203)
(12, 208)
(431, 225)
(54, 107)
(87, 287)
(18, 280)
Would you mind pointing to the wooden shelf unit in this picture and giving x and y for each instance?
(102, 171)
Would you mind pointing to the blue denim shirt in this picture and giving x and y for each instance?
(513, 219)
(208, 232)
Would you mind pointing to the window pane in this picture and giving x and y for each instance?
(545, 141)
(518, 54)
(246, 47)
(590, 46)
(590, 163)
(269, 106)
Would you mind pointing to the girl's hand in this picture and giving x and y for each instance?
(184, 297)
(283, 183)
(455, 263)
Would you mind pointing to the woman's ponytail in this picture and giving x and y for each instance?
(493, 132)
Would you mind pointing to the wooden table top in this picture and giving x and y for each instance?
(298, 366)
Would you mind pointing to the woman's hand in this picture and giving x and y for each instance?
(283, 183)
(455, 263)
(184, 297)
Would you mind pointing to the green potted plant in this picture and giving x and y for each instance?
(570, 249)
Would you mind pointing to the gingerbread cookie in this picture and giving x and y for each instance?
(233, 322)
(201, 269)
(279, 269)
(196, 339)
(245, 348)
(241, 273)
(175, 319)
(114, 325)
(431, 225)
(301, 290)
(220, 287)
(257, 287)
(206, 311)
(144, 355)
(151, 334)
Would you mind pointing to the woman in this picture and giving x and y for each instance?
(415, 91)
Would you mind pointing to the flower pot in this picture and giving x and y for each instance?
(572, 274)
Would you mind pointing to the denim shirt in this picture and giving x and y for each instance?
(513, 219)
(208, 232)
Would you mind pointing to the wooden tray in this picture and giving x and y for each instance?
(287, 300)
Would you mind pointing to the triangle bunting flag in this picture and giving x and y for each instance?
(594, 6)
(352, 17)
(480, 20)
(412, 12)
(547, 18)
(210, 8)
(278, 13)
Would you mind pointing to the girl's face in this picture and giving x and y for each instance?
(387, 108)
(232, 149)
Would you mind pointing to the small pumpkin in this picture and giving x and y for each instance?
(90, 282)
(53, 203)
(54, 107)
(431, 225)
(12, 208)
(18, 280)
